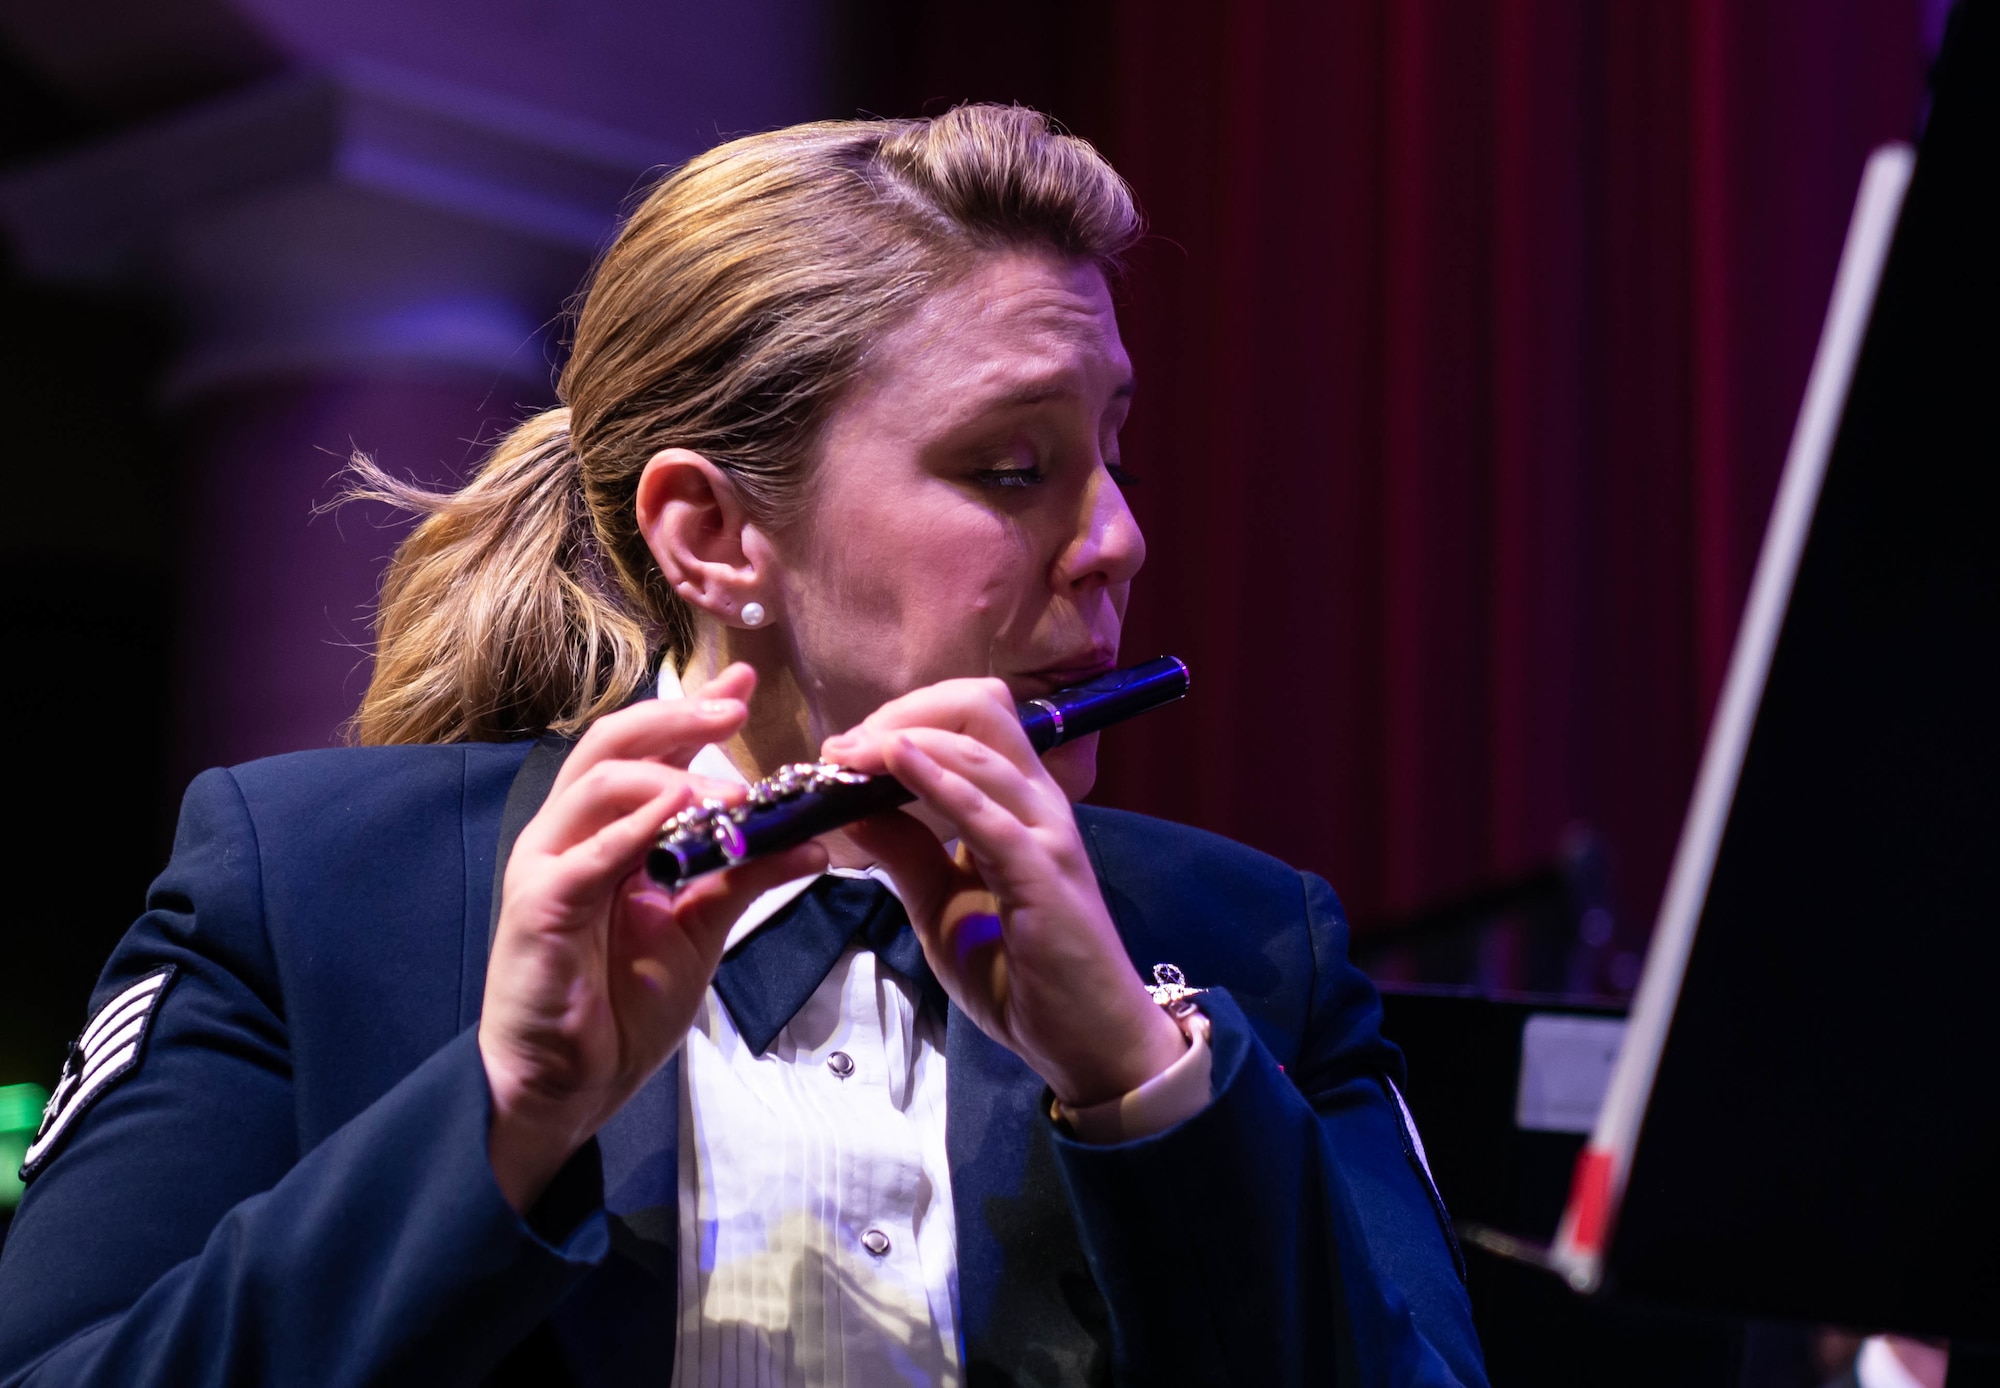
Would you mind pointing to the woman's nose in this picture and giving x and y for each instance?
(1108, 547)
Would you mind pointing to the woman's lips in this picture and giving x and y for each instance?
(1054, 677)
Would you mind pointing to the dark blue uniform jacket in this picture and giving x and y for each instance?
(291, 1185)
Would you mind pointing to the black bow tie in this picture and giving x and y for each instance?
(767, 978)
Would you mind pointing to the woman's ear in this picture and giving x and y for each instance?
(694, 523)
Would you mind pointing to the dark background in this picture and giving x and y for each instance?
(1469, 339)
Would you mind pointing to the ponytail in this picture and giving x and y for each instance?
(499, 616)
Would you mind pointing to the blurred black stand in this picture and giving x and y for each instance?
(1464, 1054)
(1974, 1367)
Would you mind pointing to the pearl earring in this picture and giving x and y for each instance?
(753, 614)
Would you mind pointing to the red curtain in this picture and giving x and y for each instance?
(1469, 340)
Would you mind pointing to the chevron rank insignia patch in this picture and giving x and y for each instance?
(108, 1050)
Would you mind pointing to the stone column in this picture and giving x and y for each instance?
(357, 259)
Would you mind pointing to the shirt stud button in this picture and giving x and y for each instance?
(841, 1063)
(876, 1242)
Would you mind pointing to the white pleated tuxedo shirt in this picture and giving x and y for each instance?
(817, 1240)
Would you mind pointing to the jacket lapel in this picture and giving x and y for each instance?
(1029, 1311)
(618, 1326)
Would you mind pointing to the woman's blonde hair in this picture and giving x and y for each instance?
(732, 311)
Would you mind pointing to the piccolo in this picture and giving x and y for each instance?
(806, 799)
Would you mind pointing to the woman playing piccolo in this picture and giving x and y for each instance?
(410, 1074)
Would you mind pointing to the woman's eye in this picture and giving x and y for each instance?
(1010, 476)
(1121, 476)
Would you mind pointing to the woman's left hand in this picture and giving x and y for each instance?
(1013, 923)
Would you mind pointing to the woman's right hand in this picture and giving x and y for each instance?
(595, 971)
